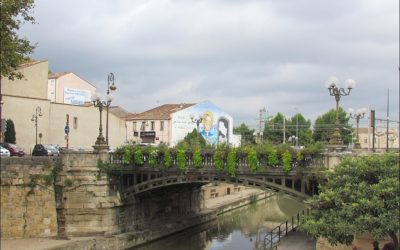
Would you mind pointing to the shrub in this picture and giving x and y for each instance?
(287, 161)
(181, 159)
(167, 158)
(272, 158)
(231, 162)
(252, 159)
(197, 160)
(138, 156)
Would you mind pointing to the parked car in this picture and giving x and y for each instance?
(4, 152)
(15, 150)
(45, 150)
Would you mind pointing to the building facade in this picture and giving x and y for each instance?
(22, 98)
(68, 88)
(170, 123)
(381, 140)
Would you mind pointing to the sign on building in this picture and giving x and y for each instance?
(76, 96)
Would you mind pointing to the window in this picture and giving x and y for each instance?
(75, 123)
(365, 140)
(142, 127)
(152, 126)
(161, 125)
(134, 128)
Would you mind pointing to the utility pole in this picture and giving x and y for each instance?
(387, 122)
(262, 124)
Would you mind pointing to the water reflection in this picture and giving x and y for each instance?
(241, 229)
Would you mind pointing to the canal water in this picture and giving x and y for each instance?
(241, 229)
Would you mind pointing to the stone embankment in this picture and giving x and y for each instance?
(213, 206)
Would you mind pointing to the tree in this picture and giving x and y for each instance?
(246, 133)
(192, 140)
(273, 130)
(298, 122)
(9, 135)
(13, 49)
(360, 196)
(325, 124)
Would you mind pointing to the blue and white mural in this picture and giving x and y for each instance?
(213, 124)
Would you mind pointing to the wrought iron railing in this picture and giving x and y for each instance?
(273, 237)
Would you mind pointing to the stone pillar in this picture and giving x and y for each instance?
(332, 159)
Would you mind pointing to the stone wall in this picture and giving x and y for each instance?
(89, 203)
(28, 206)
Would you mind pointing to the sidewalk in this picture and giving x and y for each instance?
(36, 243)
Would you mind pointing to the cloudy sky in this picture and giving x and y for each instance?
(242, 55)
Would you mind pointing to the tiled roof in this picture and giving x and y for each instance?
(57, 75)
(119, 112)
(162, 112)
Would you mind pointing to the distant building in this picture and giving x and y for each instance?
(170, 123)
(68, 88)
(54, 98)
(365, 138)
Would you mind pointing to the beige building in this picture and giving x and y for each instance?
(23, 97)
(153, 126)
(365, 138)
(68, 88)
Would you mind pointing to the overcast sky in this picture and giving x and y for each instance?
(242, 55)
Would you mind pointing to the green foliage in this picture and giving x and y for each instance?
(153, 157)
(252, 159)
(68, 182)
(192, 141)
(273, 158)
(13, 49)
(219, 155)
(231, 162)
(303, 127)
(127, 155)
(362, 195)
(299, 156)
(273, 130)
(181, 159)
(138, 155)
(9, 135)
(167, 158)
(325, 124)
(197, 159)
(287, 161)
(246, 133)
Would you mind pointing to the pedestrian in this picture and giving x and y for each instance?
(376, 245)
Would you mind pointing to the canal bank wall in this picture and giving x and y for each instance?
(128, 240)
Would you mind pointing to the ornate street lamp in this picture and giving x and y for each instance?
(38, 113)
(357, 115)
(111, 89)
(336, 141)
(101, 104)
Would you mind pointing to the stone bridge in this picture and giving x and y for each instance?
(133, 179)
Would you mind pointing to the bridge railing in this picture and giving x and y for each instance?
(208, 161)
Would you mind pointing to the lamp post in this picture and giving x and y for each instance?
(111, 88)
(101, 104)
(357, 115)
(38, 113)
(336, 141)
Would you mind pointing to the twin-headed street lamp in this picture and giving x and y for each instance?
(336, 139)
(101, 142)
(38, 113)
(357, 115)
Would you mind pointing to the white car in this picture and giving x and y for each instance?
(4, 152)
